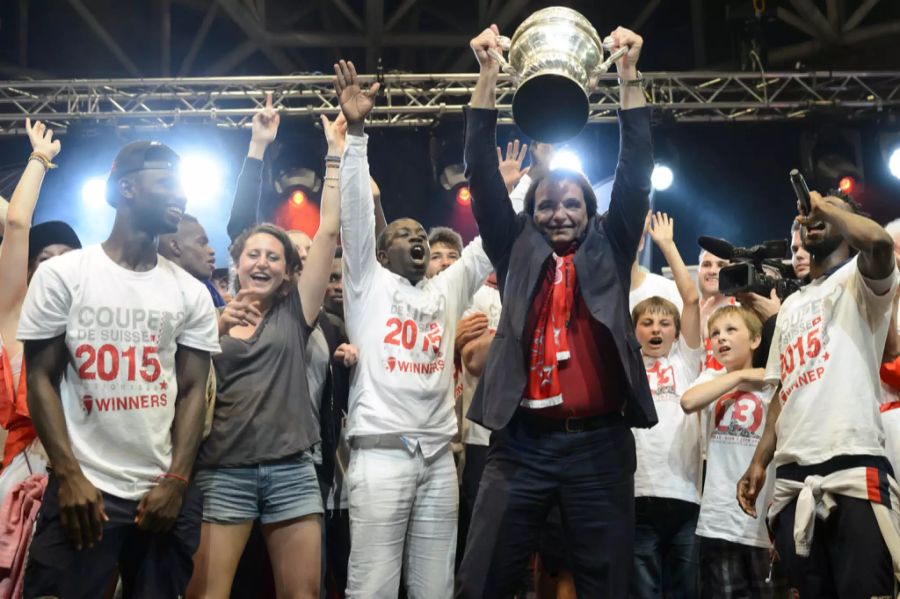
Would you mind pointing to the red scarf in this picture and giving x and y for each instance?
(550, 344)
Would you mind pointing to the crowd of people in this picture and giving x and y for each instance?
(378, 410)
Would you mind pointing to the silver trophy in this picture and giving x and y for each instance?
(555, 59)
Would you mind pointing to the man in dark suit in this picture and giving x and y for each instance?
(564, 381)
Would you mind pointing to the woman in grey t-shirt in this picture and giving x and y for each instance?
(256, 463)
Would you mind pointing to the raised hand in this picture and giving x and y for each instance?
(265, 124)
(335, 133)
(541, 157)
(511, 167)
(487, 40)
(41, 139)
(356, 103)
(627, 64)
(662, 229)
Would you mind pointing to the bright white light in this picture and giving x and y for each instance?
(894, 162)
(662, 177)
(201, 177)
(566, 159)
(93, 192)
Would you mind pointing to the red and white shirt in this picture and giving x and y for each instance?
(734, 423)
(122, 330)
(668, 455)
(403, 382)
(826, 351)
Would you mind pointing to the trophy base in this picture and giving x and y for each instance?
(550, 108)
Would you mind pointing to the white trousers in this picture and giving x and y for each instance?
(403, 513)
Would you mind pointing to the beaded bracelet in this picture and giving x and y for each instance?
(42, 159)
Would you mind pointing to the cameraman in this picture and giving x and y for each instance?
(825, 434)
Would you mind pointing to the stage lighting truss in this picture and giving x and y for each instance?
(417, 100)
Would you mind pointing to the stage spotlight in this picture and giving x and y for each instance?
(298, 197)
(566, 159)
(847, 185)
(894, 162)
(464, 196)
(201, 177)
(662, 177)
(93, 192)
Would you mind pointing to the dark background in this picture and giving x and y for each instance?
(730, 179)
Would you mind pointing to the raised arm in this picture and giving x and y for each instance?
(159, 508)
(701, 395)
(14, 250)
(876, 248)
(491, 206)
(81, 508)
(630, 196)
(662, 232)
(245, 209)
(317, 270)
(4, 208)
(357, 205)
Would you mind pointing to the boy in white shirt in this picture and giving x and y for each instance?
(835, 495)
(667, 498)
(402, 477)
(734, 548)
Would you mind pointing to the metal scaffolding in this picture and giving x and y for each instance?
(409, 100)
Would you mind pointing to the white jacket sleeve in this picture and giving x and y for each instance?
(517, 197)
(357, 218)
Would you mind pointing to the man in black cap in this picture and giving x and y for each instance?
(117, 345)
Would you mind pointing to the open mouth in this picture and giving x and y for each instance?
(260, 277)
(174, 212)
(724, 350)
(417, 252)
(655, 342)
(816, 226)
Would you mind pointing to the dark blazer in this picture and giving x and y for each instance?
(520, 255)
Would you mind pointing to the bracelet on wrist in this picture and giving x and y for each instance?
(636, 82)
(171, 475)
(42, 159)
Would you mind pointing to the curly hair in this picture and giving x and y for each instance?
(291, 257)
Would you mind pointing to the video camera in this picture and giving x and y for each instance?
(748, 275)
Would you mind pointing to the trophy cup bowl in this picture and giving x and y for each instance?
(555, 58)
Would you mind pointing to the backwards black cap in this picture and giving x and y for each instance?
(138, 156)
(141, 155)
(50, 233)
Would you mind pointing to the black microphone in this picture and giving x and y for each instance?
(717, 247)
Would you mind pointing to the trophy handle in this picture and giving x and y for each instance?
(604, 66)
(504, 64)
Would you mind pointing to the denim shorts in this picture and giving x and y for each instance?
(268, 492)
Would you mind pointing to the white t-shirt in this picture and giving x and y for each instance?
(668, 455)
(487, 302)
(734, 424)
(122, 330)
(403, 382)
(655, 286)
(826, 352)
